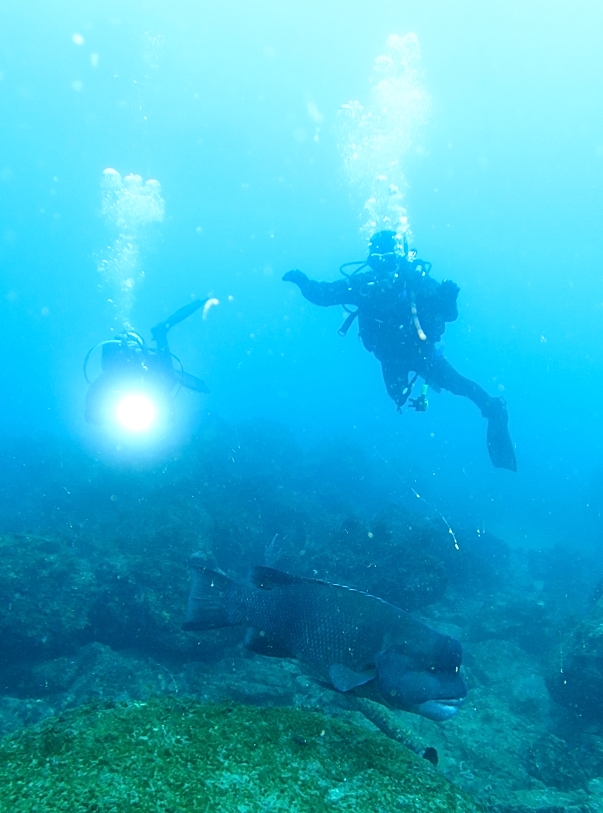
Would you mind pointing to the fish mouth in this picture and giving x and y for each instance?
(441, 709)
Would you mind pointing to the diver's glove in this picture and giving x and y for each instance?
(296, 276)
(449, 290)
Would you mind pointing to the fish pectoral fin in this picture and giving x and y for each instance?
(345, 679)
(262, 644)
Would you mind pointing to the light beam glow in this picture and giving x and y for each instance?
(136, 412)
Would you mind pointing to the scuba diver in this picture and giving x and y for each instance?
(402, 314)
(136, 381)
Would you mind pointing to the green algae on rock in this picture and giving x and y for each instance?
(172, 755)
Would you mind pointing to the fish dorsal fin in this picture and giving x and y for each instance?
(345, 679)
(268, 578)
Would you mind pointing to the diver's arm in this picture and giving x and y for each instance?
(340, 292)
(447, 294)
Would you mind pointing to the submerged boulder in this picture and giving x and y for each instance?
(46, 589)
(557, 765)
(576, 678)
(57, 597)
(412, 554)
(170, 754)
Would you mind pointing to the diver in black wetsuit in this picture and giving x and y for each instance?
(129, 365)
(402, 314)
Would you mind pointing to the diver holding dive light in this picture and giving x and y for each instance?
(136, 382)
(402, 314)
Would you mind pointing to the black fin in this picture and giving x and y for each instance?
(345, 679)
(257, 641)
(500, 445)
(160, 331)
(208, 598)
(191, 382)
(268, 578)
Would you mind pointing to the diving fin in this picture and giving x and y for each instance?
(191, 382)
(500, 445)
(160, 331)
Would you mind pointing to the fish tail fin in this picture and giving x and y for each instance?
(208, 600)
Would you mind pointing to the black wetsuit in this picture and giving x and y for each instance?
(387, 327)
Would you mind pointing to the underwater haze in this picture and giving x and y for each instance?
(234, 110)
(153, 154)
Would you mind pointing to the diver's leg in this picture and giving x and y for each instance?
(395, 374)
(443, 375)
(500, 445)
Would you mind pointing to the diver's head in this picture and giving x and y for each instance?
(386, 249)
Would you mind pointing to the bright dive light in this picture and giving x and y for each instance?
(136, 412)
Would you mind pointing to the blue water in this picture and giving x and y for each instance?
(232, 107)
(212, 102)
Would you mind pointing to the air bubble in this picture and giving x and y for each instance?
(128, 205)
(375, 140)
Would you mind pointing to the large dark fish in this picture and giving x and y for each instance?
(342, 635)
